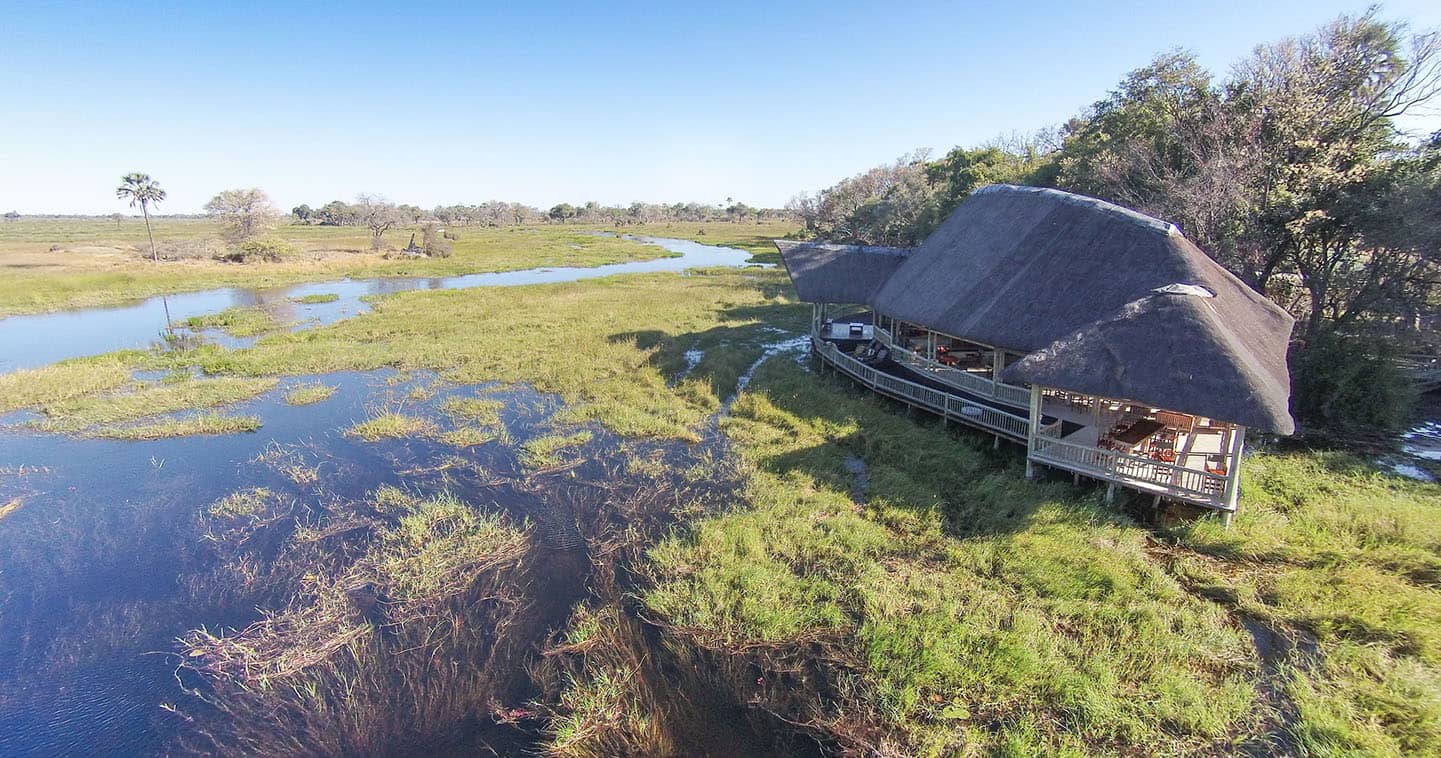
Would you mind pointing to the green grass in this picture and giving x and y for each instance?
(237, 322)
(323, 297)
(93, 263)
(609, 348)
(241, 504)
(972, 611)
(1327, 544)
(309, 393)
(962, 609)
(64, 380)
(186, 426)
(391, 425)
(109, 414)
(483, 411)
(545, 451)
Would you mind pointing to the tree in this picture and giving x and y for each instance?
(335, 213)
(140, 189)
(562, 212)
(887, 205)
(116, 217)
(378, 214)
(12, 216)
(302, 213)
(243, 213)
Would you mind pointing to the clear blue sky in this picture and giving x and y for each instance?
(587, 101)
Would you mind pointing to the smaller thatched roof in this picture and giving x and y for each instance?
(1171, 349)
(828, 273)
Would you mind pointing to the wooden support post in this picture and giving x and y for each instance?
(1110, 492)
(996, 442)
(1233, 468)
(1030, 469)
(1075, 479)
(1034, 426)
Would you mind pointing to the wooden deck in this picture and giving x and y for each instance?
(949, 406)
(1175, 481)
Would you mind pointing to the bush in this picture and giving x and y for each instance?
(435, 243)
(270, 249)
(1350, 384)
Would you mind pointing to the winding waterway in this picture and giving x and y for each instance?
(42, 339)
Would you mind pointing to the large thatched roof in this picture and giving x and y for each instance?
(1091, 289)
(1171, 349)
(827, 273)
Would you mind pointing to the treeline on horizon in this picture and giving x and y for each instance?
(1290, 171)
(498, 213)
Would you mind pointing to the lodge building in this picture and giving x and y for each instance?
(1102, 338)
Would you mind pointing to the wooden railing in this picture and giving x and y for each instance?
(1006, 393)
(1143, 473)
(934, 400)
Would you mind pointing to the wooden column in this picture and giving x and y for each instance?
(1233, 467)
(1032, 430)
(998, 363)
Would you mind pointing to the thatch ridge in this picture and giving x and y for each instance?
(825, 272)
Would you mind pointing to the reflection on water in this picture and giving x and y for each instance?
(37, 340)
(1419, 453)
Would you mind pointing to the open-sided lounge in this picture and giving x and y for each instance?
(1102, 338)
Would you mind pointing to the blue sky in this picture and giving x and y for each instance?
(546, 103)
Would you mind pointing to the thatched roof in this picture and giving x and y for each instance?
(828, 273)
(1172, 349)
(1075, 280)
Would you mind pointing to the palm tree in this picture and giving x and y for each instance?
(140, 188)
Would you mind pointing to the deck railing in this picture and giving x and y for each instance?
(945, 404)
(1142, 473)
(1006, 393)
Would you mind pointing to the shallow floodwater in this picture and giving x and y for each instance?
(99, 552)
(37, 340)
(1419, 448)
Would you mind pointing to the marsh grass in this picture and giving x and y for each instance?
(309, 393)
(65, 380)
(98, 265)
(237, 322)
(961, 606)
(481, 411)
(322, 297)
(391, 425)
(1331, 546)
(240, 504)
(607, 348)
(192, 425)
(350, 666)
(109, 414)
(474, 436)
(546, 451)
(11, 506)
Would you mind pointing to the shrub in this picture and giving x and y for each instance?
(270, 249)
(1350, 384)
(435, 243)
